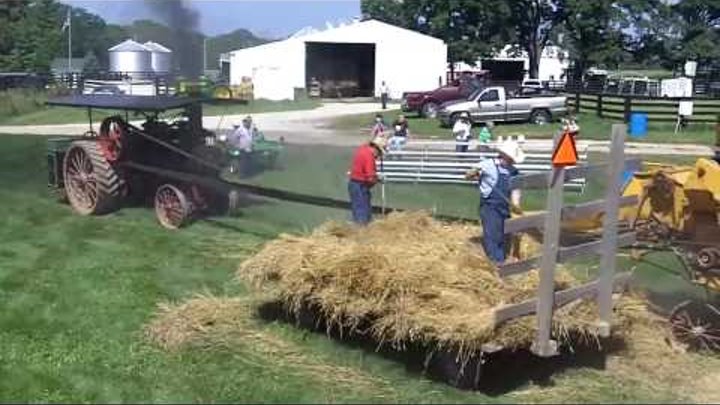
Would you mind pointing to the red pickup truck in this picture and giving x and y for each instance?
(427, 103)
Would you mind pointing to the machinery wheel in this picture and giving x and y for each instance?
(429, 110)
(696, 324)
(111, 137)
(708, 258)
(172, 206)
(92, 185)
(222, 92)
(540, 117)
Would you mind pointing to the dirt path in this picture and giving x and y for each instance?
(314, 127)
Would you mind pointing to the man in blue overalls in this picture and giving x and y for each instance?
(493, 176)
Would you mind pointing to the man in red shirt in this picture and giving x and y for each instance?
(363, 176)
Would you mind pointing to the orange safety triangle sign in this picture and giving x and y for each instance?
(565, 152)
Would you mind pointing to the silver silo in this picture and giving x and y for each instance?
(130, 57)
(161, 57)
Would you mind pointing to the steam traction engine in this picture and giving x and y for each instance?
(166, 161)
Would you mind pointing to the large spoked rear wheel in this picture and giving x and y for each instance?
(92, 184)
(172, 206)
(696, 324)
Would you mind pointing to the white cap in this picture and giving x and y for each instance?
(512, 150)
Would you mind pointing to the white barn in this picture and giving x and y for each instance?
(364, 52)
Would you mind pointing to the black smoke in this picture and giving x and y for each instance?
(187, 43)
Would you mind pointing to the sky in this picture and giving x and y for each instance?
(266, 18)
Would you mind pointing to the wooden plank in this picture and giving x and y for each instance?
(560, 298)
(569, 213)
(564, 254)
(608, 261)
(541, 180)
(593, 247)
(543, 345)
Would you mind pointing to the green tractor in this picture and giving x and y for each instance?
(205, 88)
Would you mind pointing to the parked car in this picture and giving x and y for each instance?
(107, 90)
(426, 103)
(533, 83)
(494, 104)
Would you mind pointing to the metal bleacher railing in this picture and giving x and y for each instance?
(438, 162)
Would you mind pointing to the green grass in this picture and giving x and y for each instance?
(650, 73)
(260, 106)
(76, 292)
(42, 114)
(591, 127)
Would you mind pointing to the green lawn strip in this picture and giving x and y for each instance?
(592, 127)
(47, 115)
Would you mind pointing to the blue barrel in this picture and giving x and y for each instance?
(638, 124)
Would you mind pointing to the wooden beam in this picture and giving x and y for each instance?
(569, 213)
(542, 180)
(544, 345)
(560, 299)
(608, 260)
(564, 254)
(594, 247)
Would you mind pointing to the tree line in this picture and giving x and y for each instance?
(32, 35)
(603, 33)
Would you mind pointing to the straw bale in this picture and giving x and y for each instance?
(414, 279)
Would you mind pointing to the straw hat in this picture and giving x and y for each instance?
(380, 143)
(512, 150)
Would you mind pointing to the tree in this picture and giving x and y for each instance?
(471, 28)
(649, 29)
(592, 34)
(698, 24)
(34, 36)
(31, 34)
(534, 21)
(238, 39)
(391, 11)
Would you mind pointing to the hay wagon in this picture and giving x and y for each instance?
(173, 162)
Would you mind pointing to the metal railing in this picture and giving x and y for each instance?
(437, 162)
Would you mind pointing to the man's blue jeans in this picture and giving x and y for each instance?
(360, 202)
(493, 218)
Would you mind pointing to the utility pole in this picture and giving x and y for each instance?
(204, 55)
(69, 42)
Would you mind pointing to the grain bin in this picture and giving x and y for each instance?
(130, 57)
(161, 57)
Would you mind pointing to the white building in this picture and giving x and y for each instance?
(360, 56)
(553, 63)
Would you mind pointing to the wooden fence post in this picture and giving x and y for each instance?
(608, 260)
(577, 102)
(599, 106)
(543, 345)
(628, 108)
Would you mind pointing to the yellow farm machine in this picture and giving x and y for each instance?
(677, 211)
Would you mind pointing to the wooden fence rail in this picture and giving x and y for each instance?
(658, 109)
(547, 299)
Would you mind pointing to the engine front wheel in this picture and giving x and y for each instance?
(696, 324)
(172, 206)
(92, 185)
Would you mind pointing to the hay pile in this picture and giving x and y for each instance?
(411, 279)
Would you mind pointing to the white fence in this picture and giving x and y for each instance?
(438, 162)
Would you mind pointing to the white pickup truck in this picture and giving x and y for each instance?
(494, 104)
